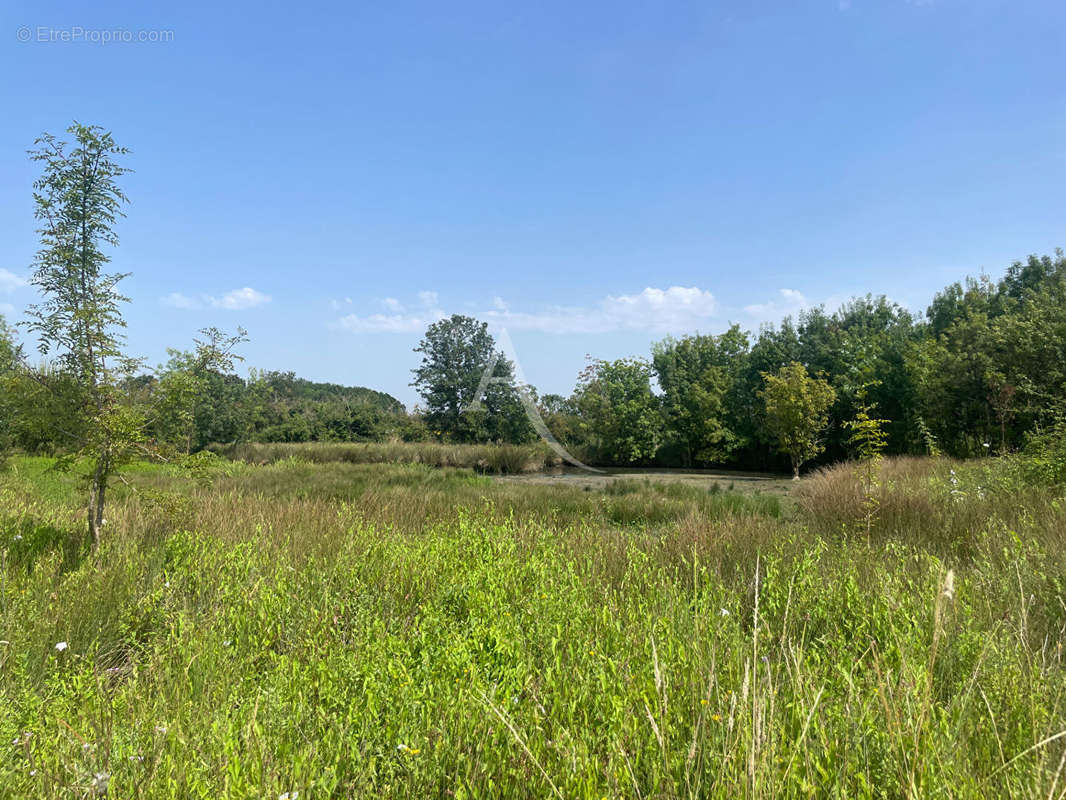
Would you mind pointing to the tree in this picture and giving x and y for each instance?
(78, 201)
(618, 410)
(797, 407)
(697, 375)
(195, 393)
(459, 362)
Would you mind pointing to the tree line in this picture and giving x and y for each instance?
(983, 371)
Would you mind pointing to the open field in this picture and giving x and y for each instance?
(397, 630)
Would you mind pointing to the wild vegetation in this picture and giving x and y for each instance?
(347, 605)
(338, 629)
(488, 458)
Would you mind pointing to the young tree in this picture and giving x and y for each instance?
(78, 201)
(868, 440)
(456, 353)
(797, 407)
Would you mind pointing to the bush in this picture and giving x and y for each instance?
(1043, 462)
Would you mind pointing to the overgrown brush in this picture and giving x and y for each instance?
(295, 629)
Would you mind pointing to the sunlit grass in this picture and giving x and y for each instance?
(377, 630)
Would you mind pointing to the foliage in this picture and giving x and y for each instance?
(359, 630)
(182, 395)
(9, 361)
(868, 440)
(468, 385)
(698, 376)
(868, 437)
(78, 200)
(619, 414)
(797, 411)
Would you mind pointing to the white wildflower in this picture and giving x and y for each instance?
(723, 612)
(100, 780)
(949, 585)
(61, 646)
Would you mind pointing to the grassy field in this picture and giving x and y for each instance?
(397, 630)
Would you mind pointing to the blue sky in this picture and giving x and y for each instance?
(333, 176)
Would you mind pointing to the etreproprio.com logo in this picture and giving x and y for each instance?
(76, 34)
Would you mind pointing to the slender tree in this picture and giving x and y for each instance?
(78, 201)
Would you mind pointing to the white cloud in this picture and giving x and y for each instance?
(235, 300)
(788, 302)
(390, 323)
(7, 308)
(240, 299)
(392, 304)
(179, 300)
(9, 281)
(678, 309)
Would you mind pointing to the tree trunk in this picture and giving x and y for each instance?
(795, 470)
(97, 495)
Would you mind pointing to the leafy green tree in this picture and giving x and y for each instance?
(189, 390)
(78, 201)
(797, 412)
(619, 413)
(861, 347)
(468, 385)
(697, 375)
(563, 419)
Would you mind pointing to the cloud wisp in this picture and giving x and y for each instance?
(396, 318)
(788, 302)
(675, 309)
(9, 281)
(234, 300)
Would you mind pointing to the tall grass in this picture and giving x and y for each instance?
(489, 458)
(299, 628)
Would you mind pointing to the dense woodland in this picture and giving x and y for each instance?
(983, 371)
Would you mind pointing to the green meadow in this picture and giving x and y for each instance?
(315, 628)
